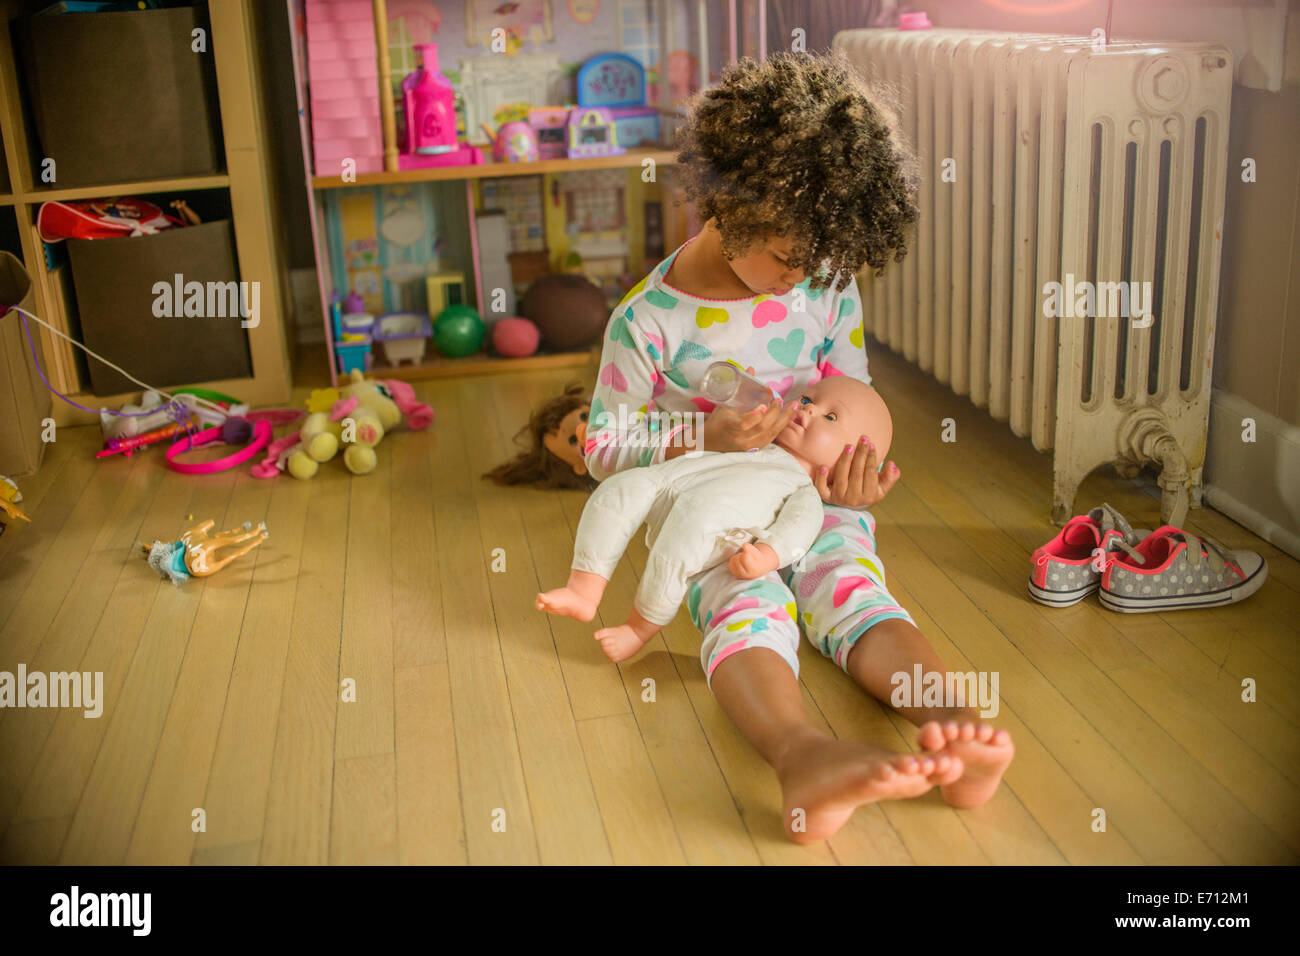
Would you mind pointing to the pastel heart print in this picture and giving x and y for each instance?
(856, 337)
(596, 416)
(829, 521)
(813, 294)
(620, 330)
(611, 376)
(769, 310)
(659, 386)
(703, 404)
(870, 567)
(781, 386)
(707, 315)
(653, 352)
(786, 350)
(810, 581)
(661, 299)
(827, 369)
(846, 308)
(767, 591)
(635, 290)
(689, 350)
(757, 624)
(847, 586)
(741, 604)
(693, 594)
(677, 377)
(655, 340)
(821, 351)
(828, 542)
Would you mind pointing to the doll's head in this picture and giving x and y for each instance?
(554, 435)
(834, 412)
(803, 168)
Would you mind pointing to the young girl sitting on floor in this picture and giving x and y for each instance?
(800, 177)
(702, 508)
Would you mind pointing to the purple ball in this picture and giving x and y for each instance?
(237, 431)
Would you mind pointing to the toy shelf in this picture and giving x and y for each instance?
(634, 157)
(183, 183)
(246, 179)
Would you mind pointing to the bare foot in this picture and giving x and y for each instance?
(985, 754)
(568, 602)
(823, 780)
(619, 643)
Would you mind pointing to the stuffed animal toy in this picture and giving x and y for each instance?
(366, 410)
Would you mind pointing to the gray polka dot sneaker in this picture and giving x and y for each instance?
(1069, 567)
(1172, 570)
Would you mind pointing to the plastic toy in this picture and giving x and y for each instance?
(514, 142)
(458, 331)
(365, 411)
(431, 120)
(195, 554)
(549, 126)
(568, 310)
(235, 431)
(555, 436)
(444, 289)
(154, 412)
(128, 445)
(9, 498)
(430, 106)
(611, 79)
(404, 335)
(592, 133)
(515, 337)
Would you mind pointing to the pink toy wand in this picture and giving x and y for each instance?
(128, 445)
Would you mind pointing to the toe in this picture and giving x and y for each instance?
(967, 733)
(984, 733)
(950, 730)
(930, 736)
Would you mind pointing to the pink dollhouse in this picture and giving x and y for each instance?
(344, 86)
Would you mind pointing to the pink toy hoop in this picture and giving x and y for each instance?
(261, 435)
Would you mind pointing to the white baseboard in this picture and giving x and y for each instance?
(1256, 484)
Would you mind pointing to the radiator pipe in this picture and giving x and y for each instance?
(1146, 439)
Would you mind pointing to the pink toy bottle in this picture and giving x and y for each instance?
(430, 106)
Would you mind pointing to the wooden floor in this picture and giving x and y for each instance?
(485, 732)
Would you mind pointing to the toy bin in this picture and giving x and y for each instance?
(169, 308)
(404, 335)
(120, 97)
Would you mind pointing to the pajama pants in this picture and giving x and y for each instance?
(835, 593)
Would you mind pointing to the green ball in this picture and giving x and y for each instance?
(458, 331)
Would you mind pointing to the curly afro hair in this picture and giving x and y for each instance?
(798, 147)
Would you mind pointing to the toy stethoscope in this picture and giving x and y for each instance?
(261, 436)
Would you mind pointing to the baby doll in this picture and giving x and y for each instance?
(555, 433)
(703, 506)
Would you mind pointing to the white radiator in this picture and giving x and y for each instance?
(1075, 163)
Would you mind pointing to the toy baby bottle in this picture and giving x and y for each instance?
(726, 384)
(430, 106)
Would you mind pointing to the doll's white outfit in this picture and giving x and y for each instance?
(699, 510)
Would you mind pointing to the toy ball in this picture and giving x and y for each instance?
(569, 311)
(458, 331)
(236, 431)
(515, 337)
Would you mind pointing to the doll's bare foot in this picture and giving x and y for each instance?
(626, 640)
(984, 753)
(578, 599)
(823, 780)
(568, 602)
(619, 643)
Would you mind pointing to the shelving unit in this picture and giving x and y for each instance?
(439, 366)
(247, 179)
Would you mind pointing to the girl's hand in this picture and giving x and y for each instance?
(728, 430)
(753, 561)
(854, 481)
